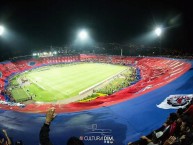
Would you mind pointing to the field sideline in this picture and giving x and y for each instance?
(58, 83)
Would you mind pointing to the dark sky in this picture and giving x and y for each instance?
(38, 23)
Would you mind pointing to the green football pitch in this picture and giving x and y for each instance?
(53, 83)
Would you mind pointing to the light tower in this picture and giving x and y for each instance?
(158, 32)
(83, 39)
(83, 35)
(1, 30)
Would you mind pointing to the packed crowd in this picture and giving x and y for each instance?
(119, 82)
(8, 95)
(177, 130)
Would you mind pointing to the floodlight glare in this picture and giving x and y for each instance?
(1, 30)
(83, 35)
(158, 31)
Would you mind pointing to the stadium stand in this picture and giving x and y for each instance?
(151, 73)
(177, 130)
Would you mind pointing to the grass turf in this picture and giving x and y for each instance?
(20, 94)
(57, 83)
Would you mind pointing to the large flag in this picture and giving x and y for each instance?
(176, 101)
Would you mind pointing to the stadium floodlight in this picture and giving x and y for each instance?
(55, 52)
(34, 54)
(158, 31)
(83, 34)
(1, 30)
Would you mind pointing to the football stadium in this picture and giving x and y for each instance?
(87, 92)
(81, 87)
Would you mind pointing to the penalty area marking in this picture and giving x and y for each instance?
(36, 84)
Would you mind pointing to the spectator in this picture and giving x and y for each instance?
(185, 136)
(159, 136)
(189, 111)
(5, 140)
(177, 130)
(44, 132)
(74, 141)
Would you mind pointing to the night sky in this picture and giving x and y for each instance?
(32, 24)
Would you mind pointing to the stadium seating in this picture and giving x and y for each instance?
(2, 98)
(151, 73)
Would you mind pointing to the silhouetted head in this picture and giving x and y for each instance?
(173, 116)
(74, 141)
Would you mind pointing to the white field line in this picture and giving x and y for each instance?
(37, 84)
(26, 92)
(53, 88)
(57, 91)
(88, 89)
(22, 88)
